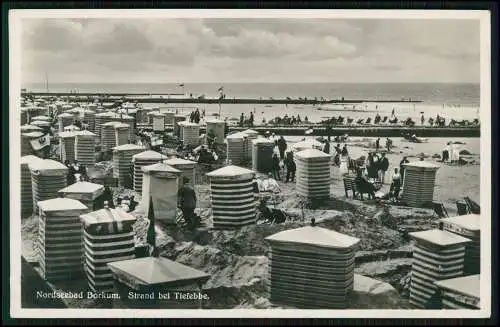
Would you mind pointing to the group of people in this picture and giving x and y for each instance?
(451, 154)
(290, 121)
(247, 121)
(195, 116)
(388, 144)
(76, 172)
(283, 159)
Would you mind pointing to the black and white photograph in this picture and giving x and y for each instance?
(268, 163)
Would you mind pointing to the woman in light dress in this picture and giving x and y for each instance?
(344, 165)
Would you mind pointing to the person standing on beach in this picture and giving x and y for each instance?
(393, 114)
(282, 146)
(251, 119)
(388, 144)
(326, 148)
(187, 202)
(377, 144)
(402, 168)
(422, 119)
(276, 167)
(242, 119)
(291, 167)
(345, 153)
(384, 166)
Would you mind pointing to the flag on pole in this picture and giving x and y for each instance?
(41, 142)
(151, 237)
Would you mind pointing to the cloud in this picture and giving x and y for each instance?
(273, 50)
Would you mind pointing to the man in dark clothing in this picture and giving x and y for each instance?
(338, 149)
(402, 168)
(377, 144)
(276, 167)
(344, 150)
(242, 119)
(282, 146)
(384, 166)
(291, 167)
(326, 149)
(251, 119)
(187, 202)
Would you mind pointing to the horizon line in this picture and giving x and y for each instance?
(256, 82)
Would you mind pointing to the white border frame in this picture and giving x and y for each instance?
(15, 26)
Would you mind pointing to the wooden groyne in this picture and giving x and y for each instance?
(368, 131)
(165, 98)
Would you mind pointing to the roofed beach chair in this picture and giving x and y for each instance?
(384, 120)
(462, 208)
(360, 121)
(439, 210)
(473, 206)
(368, 121)
(349, 121)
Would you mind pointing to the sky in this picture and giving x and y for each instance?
(230, 50)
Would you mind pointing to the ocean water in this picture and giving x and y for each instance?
(458, 101)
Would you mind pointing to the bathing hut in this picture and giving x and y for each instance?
(150, 115)
(311, 267)
(26, 138)
(129, 120)
(140, 160)
(60, 238)
(177, 120)
(102, 118)
(262, 156)
(232, 198)
(122, 134)
(158, 122)
(467, 226)
(169, 117)
(313, 174)
(41, 117)
(30, 128)
(24, 116)
(85, 147)
(418, 183)
(251, 136)
(47, 178)
(71, 128)
(187, 167)
(305, 145)
(108, 135)
(65, 119)
(44, 125)
(122, 163)
(190, 133)
(157, 275)
(460, 292)
(67, 146)
(108, 237)
(89, 119)
(236, 148)
(26, 187)
(216, 128)
(437, 255)
(85, 192)
(160, 182)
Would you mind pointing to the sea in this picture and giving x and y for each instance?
(451, 101)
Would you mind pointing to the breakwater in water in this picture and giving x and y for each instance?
(368, 131)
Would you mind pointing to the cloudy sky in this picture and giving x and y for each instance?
(249, 50)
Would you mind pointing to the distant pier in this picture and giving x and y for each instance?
(166, 98)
